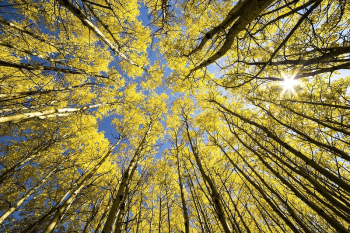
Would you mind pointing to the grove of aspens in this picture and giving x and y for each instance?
(174, 116)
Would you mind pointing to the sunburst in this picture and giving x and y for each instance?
(289, 83)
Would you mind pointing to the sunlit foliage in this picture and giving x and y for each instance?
(225, 116)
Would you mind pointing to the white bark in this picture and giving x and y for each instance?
(45, 114)
(30, 192)
(128, 174)
(68, 202)
(85, 21)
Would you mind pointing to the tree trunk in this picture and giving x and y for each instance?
(214, 193)
(67, 203)
(183, 200)
(14, 207)
(45, 114)
(344, 185)
(128, 174)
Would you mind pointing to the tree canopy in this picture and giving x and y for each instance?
(227, 116)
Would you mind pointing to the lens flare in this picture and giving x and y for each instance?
(289, 83)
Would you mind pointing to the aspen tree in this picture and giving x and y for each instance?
(257, 131)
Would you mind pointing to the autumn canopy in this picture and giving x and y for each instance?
(222, 116)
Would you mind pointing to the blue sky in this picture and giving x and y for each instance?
(105, 124)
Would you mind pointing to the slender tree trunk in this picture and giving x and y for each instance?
(152, 216)
(160, 215)
(14, 207)
(231, 217)
(67, 203)
(24, 94)
(261, 208)
(86, 22)
(235, 206)
(40, 221)
(139, 218)
(205, 209)
(104, 213)
(319, 103)
(128, 174)
(332, 149)
(168, 212)
(45, 114)
(183, 200)
(20, 65)
(198, 207)
(215, 194)
(321, 190)
(252, 217)
(94, 213)
(288, 207)
(25, 31)
(312, 118)
(23, 162)
(261, 191)
(343, 184)
(9, 172)
(116, 206)
(121, 212)
(312, 205)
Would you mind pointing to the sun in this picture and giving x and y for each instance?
(289, 83)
